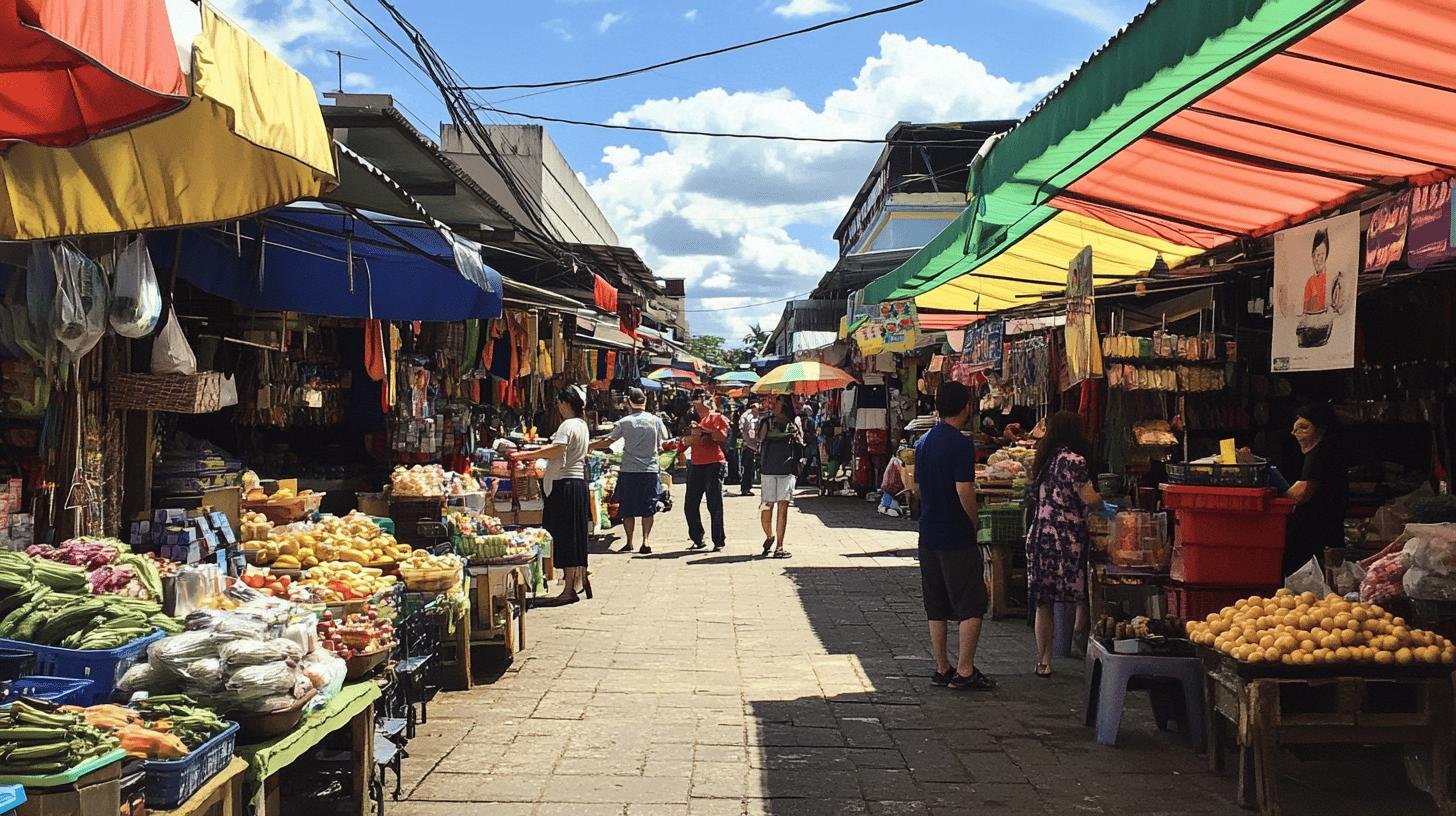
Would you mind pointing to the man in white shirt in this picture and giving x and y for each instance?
(748, 432)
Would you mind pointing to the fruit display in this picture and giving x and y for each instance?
(354, 537)
(347, 581)
(1109, 628)
(254, 526)
(478, 548)
(264, 581)
(357, 634)
(428, 481)
(474, 523)
(37, 742)
(1009, 463)
(1303, 630)
(423, 571)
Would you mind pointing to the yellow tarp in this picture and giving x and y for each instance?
(1038, 264)
(251, 138)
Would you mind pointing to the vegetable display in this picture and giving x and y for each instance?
(347, 581)
(34, 610)
(359, 633)
(1305, 630)
(39, 742)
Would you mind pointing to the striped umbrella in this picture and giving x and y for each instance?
(675, 375)
(742, 377)
(806, 377)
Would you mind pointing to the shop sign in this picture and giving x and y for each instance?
(1316, 279)
(1385, 238)
(1430, 238)
(891, 326)
(1084, 350)
(985, 340)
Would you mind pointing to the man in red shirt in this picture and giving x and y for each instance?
(707, 464)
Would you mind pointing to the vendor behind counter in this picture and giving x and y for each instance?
(1321, 494)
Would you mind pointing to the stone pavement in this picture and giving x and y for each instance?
(700, 683)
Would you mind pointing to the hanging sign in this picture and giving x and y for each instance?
(1316, 278)
(1084, 350)
(1385, 237)
(1429, 238)
(984, 342)
(891, 326)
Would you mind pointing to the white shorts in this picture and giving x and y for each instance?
(777, 489)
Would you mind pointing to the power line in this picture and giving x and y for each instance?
(721, 135)
(680, 60)
(746, 305)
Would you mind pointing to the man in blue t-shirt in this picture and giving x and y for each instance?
(951, 578)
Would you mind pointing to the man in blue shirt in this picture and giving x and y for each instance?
(951, 578)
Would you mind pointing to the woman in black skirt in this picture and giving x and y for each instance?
(568, 506)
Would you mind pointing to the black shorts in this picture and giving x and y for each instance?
(953, 584)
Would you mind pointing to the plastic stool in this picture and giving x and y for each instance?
(1111, 676)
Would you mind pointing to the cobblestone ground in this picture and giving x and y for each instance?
(699, 683)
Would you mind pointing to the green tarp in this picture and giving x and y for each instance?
(1175, 53)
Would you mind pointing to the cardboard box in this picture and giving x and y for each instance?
(528, 518)
(95, 794)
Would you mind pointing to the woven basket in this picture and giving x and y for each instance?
(199, 393)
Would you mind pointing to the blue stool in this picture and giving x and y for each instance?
(1175, 684)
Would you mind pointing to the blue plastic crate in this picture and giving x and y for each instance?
(173, 782)
(11, 797)
(61, 690)
(103, 667)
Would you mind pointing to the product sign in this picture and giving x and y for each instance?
(1084, 350)
(1385, 238)
(1316, 279)
(984, 342)
(891, 326)
(1429, 238)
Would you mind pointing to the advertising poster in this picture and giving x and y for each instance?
(1084, 350)
(891, 326)
(1385, 237)
(984, 342)
(1428, 240)
(1316, 277)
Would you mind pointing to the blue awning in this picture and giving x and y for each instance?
(650, 385)
(324, 261)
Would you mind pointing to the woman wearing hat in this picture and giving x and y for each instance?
(642, 435)
(568, 505)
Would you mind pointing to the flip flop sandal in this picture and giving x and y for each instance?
(1043, 670)
(782, 554)
(767, 545)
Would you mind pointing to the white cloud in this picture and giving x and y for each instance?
(1094, 13)
(608, 20)
(691, 15)
(558, 27)
(751, 221)
(808, 8)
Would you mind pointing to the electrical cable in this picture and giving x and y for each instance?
(746, 305)
(680, 60)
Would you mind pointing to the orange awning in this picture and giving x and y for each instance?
(71, 70)
(1360, 105)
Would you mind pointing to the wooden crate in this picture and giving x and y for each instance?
(1002, 578)
(1267, 712)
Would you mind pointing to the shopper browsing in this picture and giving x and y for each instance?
(567, 506)
(950, 560)
(748, 459)
(704, 440)
(783, 444)
(638, 482)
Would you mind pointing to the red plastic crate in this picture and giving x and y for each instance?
(1219, 499)
(1224, 528)
(1188, 602)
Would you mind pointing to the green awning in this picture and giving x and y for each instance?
(1172, 55)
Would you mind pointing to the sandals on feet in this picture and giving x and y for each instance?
(767, 545)
(1043, 670)
(782, 553)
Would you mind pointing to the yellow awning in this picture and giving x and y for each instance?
(1038, 264)
(250, 139)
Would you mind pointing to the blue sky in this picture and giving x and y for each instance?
(744, 222)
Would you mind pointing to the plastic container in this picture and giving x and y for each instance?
(1228, 536)
(66, 777)
(103, 667)
(1217, 474)
(11, 797)
(173, 782)
(1004, 521)
(61, 690)
(1217, 499)
(15, 663)
(1188, 602)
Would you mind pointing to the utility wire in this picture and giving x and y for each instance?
(680, 60)
(720, 135)
(746, 305)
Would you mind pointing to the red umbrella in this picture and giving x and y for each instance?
(77, 69)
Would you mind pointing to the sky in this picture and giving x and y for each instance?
(748, 224)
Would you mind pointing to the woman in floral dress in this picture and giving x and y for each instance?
(1056, 543)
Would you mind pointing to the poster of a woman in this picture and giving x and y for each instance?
(1315, 330)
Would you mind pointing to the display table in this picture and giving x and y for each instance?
(221, 795)
(1335, 705)
(498, 605)
(351, 708)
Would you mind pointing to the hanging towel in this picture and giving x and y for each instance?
(374, 364)
(605, 294)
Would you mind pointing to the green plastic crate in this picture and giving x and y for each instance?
(1003, 522)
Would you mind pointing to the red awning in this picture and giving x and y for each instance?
(1362, 104)
(71, 70)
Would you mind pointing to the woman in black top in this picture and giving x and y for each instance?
(782, 444)
(1322, 491)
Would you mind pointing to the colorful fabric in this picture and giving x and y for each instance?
(604, 294)
(1056, 543)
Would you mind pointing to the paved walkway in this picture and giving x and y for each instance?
(697, 683)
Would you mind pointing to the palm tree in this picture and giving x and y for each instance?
(755, 338)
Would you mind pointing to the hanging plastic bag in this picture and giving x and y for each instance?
(40, 286)
(78, 315)
(1308, 578)
(171, 353)
(136, 299)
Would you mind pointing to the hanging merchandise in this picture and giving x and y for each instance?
(604, 294)
(1028, 368)
(1084, 353)
(136, 299)
(79, 311)
(171, 353)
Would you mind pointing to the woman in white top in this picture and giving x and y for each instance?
(568, 505)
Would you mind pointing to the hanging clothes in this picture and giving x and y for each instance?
(604, 294)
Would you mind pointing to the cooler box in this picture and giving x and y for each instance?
(1228, 536)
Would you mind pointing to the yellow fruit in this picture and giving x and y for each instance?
(1384, 658)
(287, 562)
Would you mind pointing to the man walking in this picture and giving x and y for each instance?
(642, 435)
(951, 579)
(752, 444)
(705, 440)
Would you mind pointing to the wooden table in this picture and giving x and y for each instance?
(352, 708)
(1389, 707)
(1000, 572)
(221, 795)
(499, 590)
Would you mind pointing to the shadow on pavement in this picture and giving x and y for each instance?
(903, 552)
(724, 559)
(841, 512)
